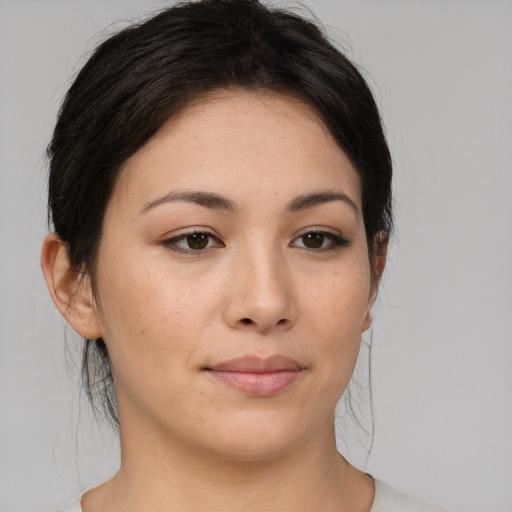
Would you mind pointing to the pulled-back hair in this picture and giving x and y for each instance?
(143, 75)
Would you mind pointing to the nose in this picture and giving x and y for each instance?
(260, 293)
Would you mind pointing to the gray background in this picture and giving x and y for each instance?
(442, 342)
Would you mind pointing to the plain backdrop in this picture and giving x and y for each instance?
(442, 335)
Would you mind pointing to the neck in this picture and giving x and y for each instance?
(164, 474)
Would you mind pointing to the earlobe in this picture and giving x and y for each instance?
(367, 322)
(71, 291)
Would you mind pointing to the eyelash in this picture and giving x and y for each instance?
(337, 241)
(172, 243)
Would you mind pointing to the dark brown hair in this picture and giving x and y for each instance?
(141, 76)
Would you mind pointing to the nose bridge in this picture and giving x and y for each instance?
(265, 271)
(261, 296)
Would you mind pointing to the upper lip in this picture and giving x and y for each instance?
(255, 364)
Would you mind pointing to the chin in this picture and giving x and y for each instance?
(258, 437)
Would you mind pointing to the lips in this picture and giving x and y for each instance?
(255, 376)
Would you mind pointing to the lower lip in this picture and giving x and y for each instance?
(257, 384)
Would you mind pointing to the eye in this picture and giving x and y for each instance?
(319, 241)
(196, 241)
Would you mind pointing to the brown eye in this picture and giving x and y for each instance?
(197, 241)
(319, 241)
(313, 240)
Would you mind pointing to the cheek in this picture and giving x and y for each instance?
(338, 302)
(152, 320)
(152, 331)
(337, 308)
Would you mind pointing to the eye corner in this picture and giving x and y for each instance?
(193, 242)
(316, 238)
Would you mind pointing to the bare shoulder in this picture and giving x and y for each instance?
(389, 500)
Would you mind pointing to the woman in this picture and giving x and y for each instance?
(220, 190)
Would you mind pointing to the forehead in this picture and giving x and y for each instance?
(238, 142)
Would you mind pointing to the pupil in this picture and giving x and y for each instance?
(314, 240)
(197, 241)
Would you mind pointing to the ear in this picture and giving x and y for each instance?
(380, 250)
(71, 291)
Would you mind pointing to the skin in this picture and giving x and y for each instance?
(168, 311)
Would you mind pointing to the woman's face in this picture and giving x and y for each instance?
(233, 277)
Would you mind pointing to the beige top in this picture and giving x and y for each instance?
(386, 500)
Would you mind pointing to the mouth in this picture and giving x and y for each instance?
(256, 376)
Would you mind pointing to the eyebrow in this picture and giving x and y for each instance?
(206, 199)
(218, 202)
(309, 200)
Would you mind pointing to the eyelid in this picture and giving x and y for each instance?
(318, 229)
(337, 240)
(170, 241)
(192, 230)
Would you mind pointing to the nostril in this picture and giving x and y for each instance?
(246, 321)
(282, 321)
